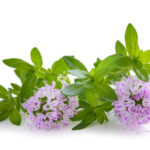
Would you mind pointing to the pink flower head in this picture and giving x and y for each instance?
(133, 105)
(49, 108)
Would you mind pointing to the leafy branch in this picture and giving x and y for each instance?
(94, 92)
(32, 77)
(132, 56)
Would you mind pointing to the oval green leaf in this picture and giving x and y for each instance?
(36, 57)
(15, 117)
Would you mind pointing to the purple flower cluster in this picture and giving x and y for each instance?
(133, 105)
(49, 108)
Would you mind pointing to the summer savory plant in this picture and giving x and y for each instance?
(120, 82)
(33, 77)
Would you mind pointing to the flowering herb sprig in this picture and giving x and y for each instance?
(97, 91)
(32, 78)
(94, 88)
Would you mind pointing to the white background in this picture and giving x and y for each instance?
(85, 28)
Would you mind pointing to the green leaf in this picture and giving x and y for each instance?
(91, 97)
(98, 61)
(86, 122)
(101, 117)
(140, 71)
(38, 73)
(28, 87)
(83, 81)
(59, 67)
(36, 57)
(16, 87)
(141, 74)
(147, 67)
(145, 57)
(58, 85)
(79, 73)
(106, 66)
(21, 75)
(14, 91)
(82, 115)
(40, 83)
(73, 63)
(124, 61)
(18, 64)
(73, 90)
(83, 103)
(106, 92)
(117, 75)
(106, 106)
(3, 92)
(15, 117)
(120, 49)
(50, 78)
(131, 39)
(4, 110)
